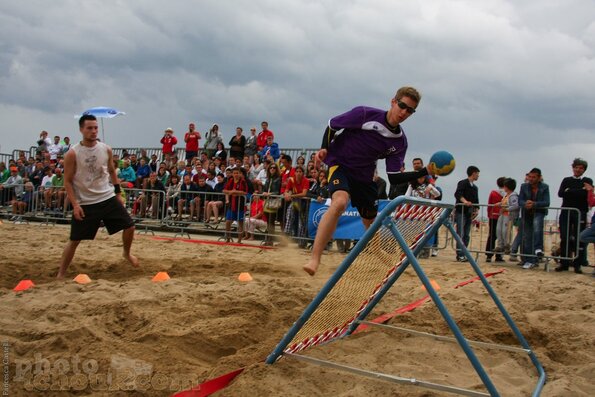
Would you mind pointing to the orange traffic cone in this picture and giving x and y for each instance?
(82, 279)
(161, 276)
(23, 285)
(245, 277)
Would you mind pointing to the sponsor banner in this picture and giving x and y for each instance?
(350, 225)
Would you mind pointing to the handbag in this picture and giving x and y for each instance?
(272, 204)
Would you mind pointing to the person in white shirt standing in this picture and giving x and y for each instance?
(88, 168)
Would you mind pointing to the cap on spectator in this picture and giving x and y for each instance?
(169, 129)
(13, 169)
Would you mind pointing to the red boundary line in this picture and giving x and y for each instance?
(185, 240)
(211, 386)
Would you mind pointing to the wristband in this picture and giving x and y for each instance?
(117, 189)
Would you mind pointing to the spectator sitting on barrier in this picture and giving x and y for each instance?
(257, 218)
(23, 203)
(201, 200)
(271, 148)
(46, 181)
(154, 190)
(296, 192)
(142, 173)
(127, 176)
(216, 200)
(271, 187)
(187, 193)
(173, 192)
(235, 190)
(55, 191)
(12, 187)
(509, 214)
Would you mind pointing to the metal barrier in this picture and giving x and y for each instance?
(480, 237)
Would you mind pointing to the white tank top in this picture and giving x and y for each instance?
(92, 183)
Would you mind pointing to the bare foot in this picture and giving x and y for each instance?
(60, 276)
(310, 268)
(132, 259)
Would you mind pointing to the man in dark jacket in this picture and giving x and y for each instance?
(574, 195)
(534, 199)
(467, 198)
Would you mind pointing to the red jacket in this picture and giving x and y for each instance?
(261, 139)
(192, 141)
(168, 142)
(494, 198)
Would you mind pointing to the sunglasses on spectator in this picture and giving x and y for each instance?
(404, 106)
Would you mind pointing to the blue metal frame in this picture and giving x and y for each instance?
(384, 219)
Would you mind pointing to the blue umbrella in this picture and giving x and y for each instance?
(102, 112)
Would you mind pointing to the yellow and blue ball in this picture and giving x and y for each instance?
(442, 162)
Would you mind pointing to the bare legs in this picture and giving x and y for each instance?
(71, 246)
(326, 228)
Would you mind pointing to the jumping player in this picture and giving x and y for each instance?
(88, 168)
(352, 144)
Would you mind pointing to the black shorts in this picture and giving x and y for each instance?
(364, 195)
(111, 212)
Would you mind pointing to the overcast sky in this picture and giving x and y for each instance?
(506, 85)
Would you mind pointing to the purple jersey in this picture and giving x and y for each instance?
(363, 136)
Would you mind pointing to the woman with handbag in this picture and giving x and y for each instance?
(271, 191)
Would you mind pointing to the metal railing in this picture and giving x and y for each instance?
(482, 238)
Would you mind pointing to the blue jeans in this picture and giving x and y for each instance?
(463, 228)
(588, 235)
(532, 235)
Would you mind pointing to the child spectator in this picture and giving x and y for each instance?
(235, 190)
(257, 217)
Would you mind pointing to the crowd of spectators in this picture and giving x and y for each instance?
(252, 185)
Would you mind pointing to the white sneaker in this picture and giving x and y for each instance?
(434, 252)
(529, 265)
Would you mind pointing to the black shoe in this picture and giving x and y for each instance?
(500, 260)
(561, 268)
(488, 259)
(578, 270)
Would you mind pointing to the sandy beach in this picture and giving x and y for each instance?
(123, 334)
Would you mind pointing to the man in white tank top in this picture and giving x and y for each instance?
(92, 187)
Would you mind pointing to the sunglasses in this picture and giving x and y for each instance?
(404, 106)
